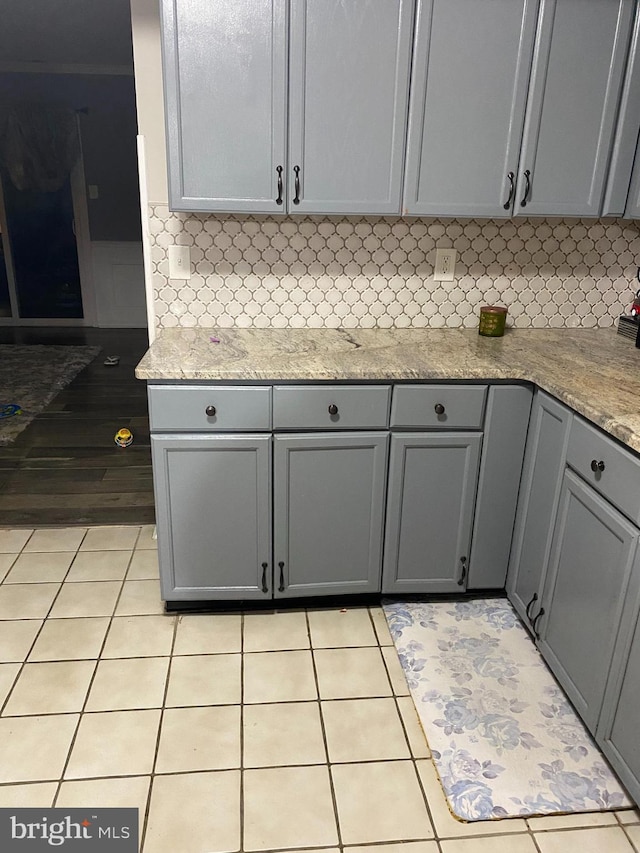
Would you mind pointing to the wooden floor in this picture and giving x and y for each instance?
(65, 468)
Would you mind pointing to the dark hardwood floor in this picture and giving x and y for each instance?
(64, 468)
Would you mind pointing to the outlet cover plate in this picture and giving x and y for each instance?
(445, 265)
(179, 262)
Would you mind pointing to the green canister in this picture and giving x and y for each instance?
(492, 320)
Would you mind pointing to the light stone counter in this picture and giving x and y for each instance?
(596, 372)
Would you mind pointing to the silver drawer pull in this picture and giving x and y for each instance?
(597, 466)
(210, 411)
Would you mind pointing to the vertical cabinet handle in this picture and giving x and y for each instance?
(530, 605)
(512, 188)
(463, 561)
(534, 624)
(527, 188)
(279, 171)
(281, 585)
(265, 588)
(296, 171)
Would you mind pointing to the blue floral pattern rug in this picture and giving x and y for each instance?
(505, 740)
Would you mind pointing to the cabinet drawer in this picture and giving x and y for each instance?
(618, 480)
(331, 407)
(176, 407)
(438, 406)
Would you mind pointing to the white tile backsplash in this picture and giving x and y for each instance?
(368, 271)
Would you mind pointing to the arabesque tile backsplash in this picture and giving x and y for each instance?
(355, 271)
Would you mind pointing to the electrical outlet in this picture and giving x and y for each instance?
(93, 191)
(179, 262)
(445, 265)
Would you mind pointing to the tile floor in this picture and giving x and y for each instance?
(253, 732)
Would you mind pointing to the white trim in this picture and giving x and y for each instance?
(118, 281)
(83, 236)
(64, 68)
(146, 238)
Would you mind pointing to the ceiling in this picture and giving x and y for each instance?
(88, 32)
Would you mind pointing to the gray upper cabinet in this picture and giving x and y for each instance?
(225, 85)
(329, 493)
(633, 203)
(431, 496)
(348, 93)
(471, 67)
(579, 62)
(213, 509)
(544, 461)
(589, 572)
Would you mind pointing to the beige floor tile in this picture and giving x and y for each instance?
(123, 685)
(118, 743)
(446, 825)
(143, 566)
(6, 561)
(270, 632)
(381, 626)
(633, 831)
(147, 538)
(396, 673)
(380, 802)
(204, 680)
(364, 730)
(139, 636)
(140, 598)
(56, 539)
(26, 601)
(50, 688)
(572, 821)
(194, 813)
(279, 677)
(199, 739)
(351, 673)
(40, 567)
(13, 541)
(37, 795)
(99, 566)
(417, 740)
(95, 598)
(628, 816)
(208, 634)
(283, 734)
(34, 749)
(399, 847)
(16, 638)
(70, 639)
(336, 628)
(115, 538)
(8, 674)
(606, 839)
(130, 792)
(288, 807)
(494, 844)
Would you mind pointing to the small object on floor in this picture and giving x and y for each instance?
(8, 410)
(215, 340)
(123, 438)
(112, 361)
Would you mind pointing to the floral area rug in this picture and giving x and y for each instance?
(31, 376)
(505, 740)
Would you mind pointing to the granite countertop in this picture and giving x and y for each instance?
(594, 371)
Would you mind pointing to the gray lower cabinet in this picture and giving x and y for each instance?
(432, 488)
(329, 495)
(544, 461)
(213, 509)
(589, 571)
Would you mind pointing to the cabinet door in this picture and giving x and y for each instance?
(471, 67)
(618, 725)
(432, 489)
(589, 572)
(579, 60)
(348, 93)
(225, 89)
(633, 203)
(328, 512)
(213, 506)
(544, 460)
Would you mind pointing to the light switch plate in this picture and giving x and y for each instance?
(179, 262)
(445, 265)
(93, 191)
